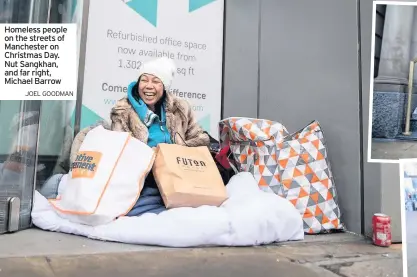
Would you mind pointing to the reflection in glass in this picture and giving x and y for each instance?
(57, 119)
(18, 143)
(14, 11)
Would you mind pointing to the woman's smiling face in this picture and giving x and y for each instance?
(151, 89)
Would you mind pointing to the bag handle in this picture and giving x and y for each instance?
(210, 137)
(183, 140)
(231, 164)
(249, 142)
(212, 140)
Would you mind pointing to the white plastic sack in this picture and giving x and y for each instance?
(106, 178)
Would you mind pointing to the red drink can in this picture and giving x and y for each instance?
(381, 225)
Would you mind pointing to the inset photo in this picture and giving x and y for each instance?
(393, 121)
(408, 171)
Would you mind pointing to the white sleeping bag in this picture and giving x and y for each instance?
(249, 217)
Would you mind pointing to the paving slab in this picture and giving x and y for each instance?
(31, 242)
(174, 264)
(393, 149)
(319, 252)
(38, 253)
(370, 268)
(35, 242)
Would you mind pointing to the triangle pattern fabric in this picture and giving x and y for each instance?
(294, 166)
(306, 170)
(252, 148)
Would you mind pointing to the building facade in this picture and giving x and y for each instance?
(395, 47)
(289, 61)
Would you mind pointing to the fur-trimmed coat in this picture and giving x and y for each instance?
(180, 119)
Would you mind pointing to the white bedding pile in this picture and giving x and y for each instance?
(249, 217)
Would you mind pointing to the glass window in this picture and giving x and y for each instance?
(19, 122)
(14, 11)
(28, 128)
(56, 121)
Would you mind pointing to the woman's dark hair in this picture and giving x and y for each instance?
(135, 94)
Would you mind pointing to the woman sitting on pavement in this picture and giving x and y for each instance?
(152, 115)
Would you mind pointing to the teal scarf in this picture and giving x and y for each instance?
(158, 132)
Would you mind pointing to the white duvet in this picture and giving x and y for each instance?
(249, 217)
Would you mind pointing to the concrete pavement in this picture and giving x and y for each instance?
(393, 149)
(36, 253)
